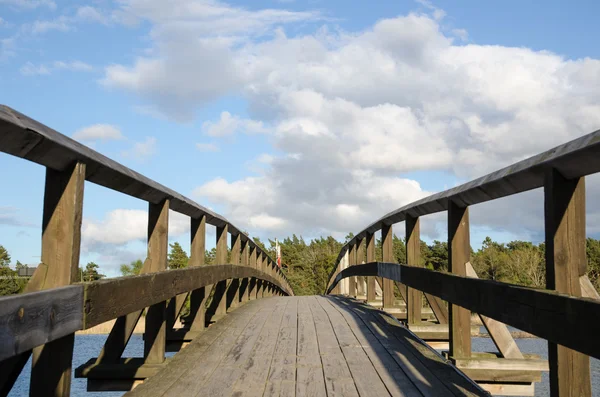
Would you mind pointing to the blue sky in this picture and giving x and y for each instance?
(294, 117)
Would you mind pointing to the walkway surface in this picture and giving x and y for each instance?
(307, 346)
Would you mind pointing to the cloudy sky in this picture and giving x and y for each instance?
(285, 116)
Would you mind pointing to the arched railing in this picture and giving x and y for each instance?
(42, 321)
(564, 313)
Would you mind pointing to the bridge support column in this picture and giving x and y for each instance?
(371, 295)
(564, 202)
(388, 256)
(413, 257)
(459, 253)
(221, 259)
(235, 285)
(61, 236)
(352, 281)
(155, 334)
(245, 284)
(199, 296)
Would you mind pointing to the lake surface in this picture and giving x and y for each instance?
(88, 346)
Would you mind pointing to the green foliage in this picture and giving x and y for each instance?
(178, 258)
(307, 266)
(9, 283)
(90, 273)
(4, 257)
(133, 269)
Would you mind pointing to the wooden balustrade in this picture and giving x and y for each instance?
(44, 322)
(558, 314)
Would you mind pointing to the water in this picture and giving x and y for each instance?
(540, 347)
(88, 346)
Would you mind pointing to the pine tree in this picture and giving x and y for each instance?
(178, 258)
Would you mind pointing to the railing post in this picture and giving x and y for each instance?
(413, 258)
(234, 286)
(361, 287)
(253, 284)
(388, 256)
(221, 259)
(61, 236)
(245, 284)
(158, 241)
(371, 292)
(199, 296)
(564, 202)
(352, 281)
(459, 253)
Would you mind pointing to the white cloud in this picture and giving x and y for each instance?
(60, 24)
(98, 132)
(90, 14)
(122, 226)
(229, 125)
(350, 112)
(30, 69)
(141, 150)
(207, 147)
(29, 4)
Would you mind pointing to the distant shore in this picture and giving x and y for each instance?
(104, 328)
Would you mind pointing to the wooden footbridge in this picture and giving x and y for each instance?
(374, 332)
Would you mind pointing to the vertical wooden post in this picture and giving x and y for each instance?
(234, 285)
(459, 253)
(253, 281)
(61, 237)
(351, 262)
(361, 289)
(221, 259)
(155, 335)
(413, 258)
(199, 296)
(245, 287)
(388, 256)
(371, 295)
(260, 265)
(564, 202)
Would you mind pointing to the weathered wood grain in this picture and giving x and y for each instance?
(33, 319)
(566, 262)
(387, 245)
(61, 238)
(413, 258)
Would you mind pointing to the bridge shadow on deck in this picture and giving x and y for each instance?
(307, 346)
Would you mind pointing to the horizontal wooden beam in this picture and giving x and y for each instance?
(559, 318)
(108, 299)
(29, 139)
(36, 318)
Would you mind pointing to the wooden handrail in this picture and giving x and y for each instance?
(574, 159)
(33, 319)
(559, 318)
(29, 139)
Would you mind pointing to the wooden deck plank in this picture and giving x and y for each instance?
(197, 351)
(338, 378)
(395, 380)
(429, 371)
(303, 346)
(366, 378)
(309, 371)
(283, 365)
(252, 380)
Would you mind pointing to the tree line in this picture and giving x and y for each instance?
(308, 265)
